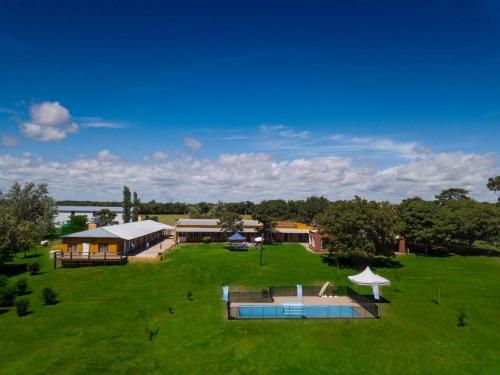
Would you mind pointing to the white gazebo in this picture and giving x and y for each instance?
(367, 277)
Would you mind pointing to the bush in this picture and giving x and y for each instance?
(4, 280)
(7, 296)
(207, 239)
(22, 307)
(21, 287)
(462, 319)
(34, 268)
(49, 297)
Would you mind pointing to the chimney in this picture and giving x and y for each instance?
(92, 226)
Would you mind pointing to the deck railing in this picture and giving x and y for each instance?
(77, 259)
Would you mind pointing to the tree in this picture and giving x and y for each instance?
(494, 185)
(7, 234)
(106, 217)
(276, 209)
(471, 221)
(230, 222)
(76, 223)
(127, 204)
(136, 207)
(452, 194)
(26, 215)
(24, 236)
(422, 222)
(360, 226)
(312, 207)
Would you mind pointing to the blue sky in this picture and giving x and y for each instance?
(378, 84)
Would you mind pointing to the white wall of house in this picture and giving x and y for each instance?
(64, 214)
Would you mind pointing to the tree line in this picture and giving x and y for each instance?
(452, 218)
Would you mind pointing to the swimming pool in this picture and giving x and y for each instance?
(297, 311)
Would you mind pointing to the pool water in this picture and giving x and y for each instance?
(297, 311)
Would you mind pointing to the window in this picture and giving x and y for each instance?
(103, 247)
(72, 247)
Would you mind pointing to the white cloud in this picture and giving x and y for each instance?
(159, 156)
(50, 121)
(408, 150)
(253, 176)
(193, 144)
(97, 122)
(9, 140)
(283, 131)
(106, 155)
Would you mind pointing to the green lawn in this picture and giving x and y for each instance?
(99, 324)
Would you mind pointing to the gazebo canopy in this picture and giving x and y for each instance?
(367, 277)
(237, 237)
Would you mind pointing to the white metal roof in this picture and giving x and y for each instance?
(210, 230)
(126, 231)
(291, 230)
(367, 277)
(213, 222)
(92, 233)
(88, 209)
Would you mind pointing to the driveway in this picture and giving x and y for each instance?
(157, 249)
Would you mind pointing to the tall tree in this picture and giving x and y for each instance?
(106, 217)
(268, 224)
(452, 194)
(76, 223)
(360, 226)
(494, 185)
(7, 233)
(27, 214)
(472, 221)
(230, 222)
(421, 222)
(136, 207)
(126, 204)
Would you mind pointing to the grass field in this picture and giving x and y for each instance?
(98, 326)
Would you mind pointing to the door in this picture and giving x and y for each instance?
(86, 249)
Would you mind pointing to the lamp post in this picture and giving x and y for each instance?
(260, 241)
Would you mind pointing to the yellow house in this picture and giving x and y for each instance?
(194, 230)
(291, 231)
(116, 239)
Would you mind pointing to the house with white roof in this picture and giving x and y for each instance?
(194, 230)
(65, 212)
(127, 238)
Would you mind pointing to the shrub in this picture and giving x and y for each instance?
(150, 332)
(7, 296)
(207, 239)
(397, 277)
(34, 268)
(462, 319)
(4, 280)
(49, 297)
(21, 287)
(22, 307)
(264, 293)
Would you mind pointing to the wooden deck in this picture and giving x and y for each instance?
(90, 259)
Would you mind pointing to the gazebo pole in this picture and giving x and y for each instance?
(260, 261)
